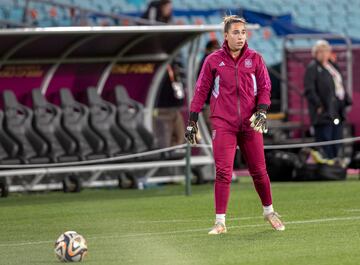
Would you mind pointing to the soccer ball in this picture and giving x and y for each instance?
(71, 246)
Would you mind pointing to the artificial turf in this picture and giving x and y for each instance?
(162, 226)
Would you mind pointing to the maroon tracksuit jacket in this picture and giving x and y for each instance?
(238, 86)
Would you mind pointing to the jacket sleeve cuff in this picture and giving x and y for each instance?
(264, 107)
(194, 116)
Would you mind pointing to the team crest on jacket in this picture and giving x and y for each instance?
(248, 63)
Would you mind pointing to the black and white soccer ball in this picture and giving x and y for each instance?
(71, 246)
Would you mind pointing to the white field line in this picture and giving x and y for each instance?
(194, 220)
(27, 243)
(311, 221)
(352, 210)
(231, 227)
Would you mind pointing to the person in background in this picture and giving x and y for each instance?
(159, 11)
(169, 122)
(327, 97)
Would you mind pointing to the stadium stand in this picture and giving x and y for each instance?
(325, 16)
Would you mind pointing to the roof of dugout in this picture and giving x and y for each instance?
(109, 45)
(47, 45)
(74, 45)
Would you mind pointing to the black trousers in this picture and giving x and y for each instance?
(329, 132)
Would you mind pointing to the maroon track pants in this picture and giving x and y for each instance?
(252, 148)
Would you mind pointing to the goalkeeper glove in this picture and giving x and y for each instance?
(192, 129)
(258, 121)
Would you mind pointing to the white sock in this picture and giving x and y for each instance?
(220, 218)
(268, 209)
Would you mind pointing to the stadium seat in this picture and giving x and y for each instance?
(353, 31)
(65, 22)
(76, 122)
(304, 21)
(322, 22)
(18, 123)
(131, 119)
(47, 23)
(3, 14)
(8, 148)
(47, 121)
(214, 19)
(16, 14)
(103, 119)
(3, 153)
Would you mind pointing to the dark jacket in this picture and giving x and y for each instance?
(166, 97)
(320, 92)
(154, 9)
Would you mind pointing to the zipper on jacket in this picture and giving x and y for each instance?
(238, 93)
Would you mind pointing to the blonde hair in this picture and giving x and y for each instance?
(229, 20)
(318, 45)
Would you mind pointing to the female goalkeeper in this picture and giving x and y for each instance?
(240, 85)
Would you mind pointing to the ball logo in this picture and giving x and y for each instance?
(70, 246)
(248, 63)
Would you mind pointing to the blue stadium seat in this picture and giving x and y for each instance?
(354, 32)
(178, 5)
(3, 14)
(65, 22)
(268, 56)
(16, 14)
(342, 16)
(138, 3)
(47, 23)
(217, 19)
(300, 43)
(8, 3)
(352, 19)
(305, 9)
(270, 8)
(225, 4)
(305, 21)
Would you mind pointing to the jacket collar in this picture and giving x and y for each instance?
(318, 63)
(226, 48)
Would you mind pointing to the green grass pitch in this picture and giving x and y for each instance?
(162, 226)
